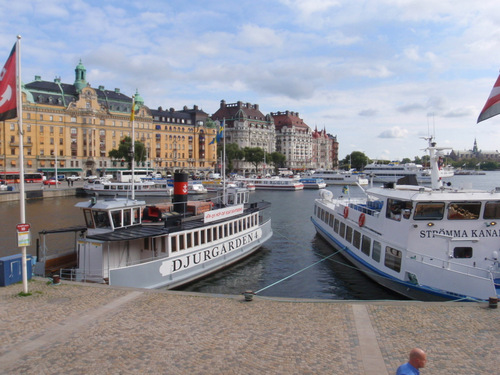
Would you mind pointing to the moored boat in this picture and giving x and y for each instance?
(334, 177)
(274, 183)
(427, 243)
(130, 243)
(394, 171)
(141, 188)
(313, 183)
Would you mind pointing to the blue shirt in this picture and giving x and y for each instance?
(407, 369)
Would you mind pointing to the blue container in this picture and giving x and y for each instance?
(11, 269)
(10, 188)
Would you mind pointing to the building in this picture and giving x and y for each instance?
(325, 150)
(476, 154)
(294, 140)
(70, 128)
(246, 126)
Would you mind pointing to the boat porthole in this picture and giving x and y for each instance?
(361, 220)
(346, 212)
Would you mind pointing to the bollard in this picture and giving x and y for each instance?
(493, 302)
(248, 295)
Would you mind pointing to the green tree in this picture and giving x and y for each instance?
(124, 151)
(355, 159)
(254, 155)
(277, 159)
(233, 152)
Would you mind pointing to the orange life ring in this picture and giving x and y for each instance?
(361, 220)
(346, 212)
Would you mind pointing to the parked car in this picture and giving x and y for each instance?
(90, 178)
(3, 185)
(51, 181)
(74, 178)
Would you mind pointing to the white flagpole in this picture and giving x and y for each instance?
(22, 197)
(133, 147)
(223, 133)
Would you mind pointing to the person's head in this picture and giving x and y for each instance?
(418, 358)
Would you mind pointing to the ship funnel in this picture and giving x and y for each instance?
(180, 192)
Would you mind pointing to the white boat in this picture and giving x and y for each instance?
(196, 187)
(426, 243)
(313, 183)
(333, 177)
(174, 248)
(141, 188)
(274, 183)
(394, 171)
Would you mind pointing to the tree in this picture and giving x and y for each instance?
(355, 159)
(124, 151)
(233, 152)
(254, 155)
(277, 159)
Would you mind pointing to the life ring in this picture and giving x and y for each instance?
(346, 212)
(361, 220)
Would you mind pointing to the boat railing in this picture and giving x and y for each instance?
(450, 265)
(365, 207)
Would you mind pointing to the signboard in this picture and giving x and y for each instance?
(23, 235)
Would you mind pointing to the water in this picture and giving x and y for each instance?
(294, 249)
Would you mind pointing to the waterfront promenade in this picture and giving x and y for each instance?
(96, 329)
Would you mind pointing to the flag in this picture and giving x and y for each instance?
(8, 92)
(132, 111)
(492, 106)
(219, 135)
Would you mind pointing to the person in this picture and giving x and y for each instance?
(417, 360)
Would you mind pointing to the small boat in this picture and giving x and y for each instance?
(313, 183)
(274, 183)
(334, 177)
(130, 243)
(196, 187)
(141, 188)
(426, 243)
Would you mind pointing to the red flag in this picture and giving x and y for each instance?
(492, 106)
(8, 97)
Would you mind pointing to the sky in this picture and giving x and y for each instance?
(378, 74)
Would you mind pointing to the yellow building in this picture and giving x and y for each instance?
(72, 127)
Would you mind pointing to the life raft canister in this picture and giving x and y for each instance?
(346, 212)
(361, 220)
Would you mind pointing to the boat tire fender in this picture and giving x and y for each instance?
(346, 212)
(361, 220)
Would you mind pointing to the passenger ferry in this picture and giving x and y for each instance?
(333, 177)
(129, 243)
(141, 188)
(313, 183)
(275, 183)
(426, 243)
(394, 171)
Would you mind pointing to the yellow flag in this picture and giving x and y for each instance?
(132, 111)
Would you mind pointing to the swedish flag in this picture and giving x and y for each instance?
(220, 134)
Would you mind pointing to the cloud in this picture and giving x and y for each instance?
(395, 132)
(368, 112)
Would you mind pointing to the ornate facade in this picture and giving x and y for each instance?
(72, 127)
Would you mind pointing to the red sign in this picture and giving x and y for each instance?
(23, 227)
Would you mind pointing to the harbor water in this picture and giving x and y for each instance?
(292, 264)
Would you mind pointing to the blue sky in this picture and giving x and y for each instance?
(379, 74)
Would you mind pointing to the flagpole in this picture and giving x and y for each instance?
(22, 197)
(133, 146)
(222, 130)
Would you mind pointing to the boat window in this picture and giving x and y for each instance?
(127, 217)
(182, 245)
(396, 208)
(189, 240)
(88, 218)
(348, 233)
(429, 211)
(356, 240)
(365, 245)
(336, 226)
(392, 259)
(492, 210)
(342, 230)
(146, 243)
(203, 233)
(136, 215)
(462, 252)
(330, 220)
(464, 210)
(209, 235)
(116, 216)
(173, 243)
(377, 249)
(101, 219)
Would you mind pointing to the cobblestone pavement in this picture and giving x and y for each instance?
(95, 329)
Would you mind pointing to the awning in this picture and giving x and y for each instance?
(62, 170)
(112, 169)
